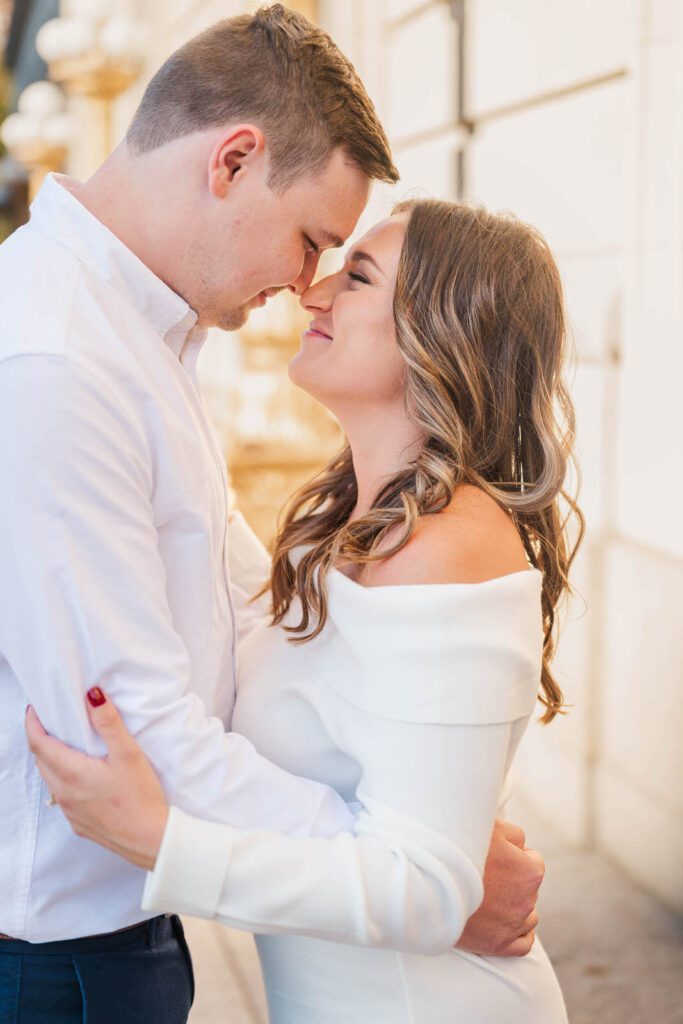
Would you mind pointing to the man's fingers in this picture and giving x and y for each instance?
(537, 865)
(531, 923)
(529, 865)
(107, 722)
(513, 833)
(521, 946)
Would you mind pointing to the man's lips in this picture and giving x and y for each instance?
(262, 297)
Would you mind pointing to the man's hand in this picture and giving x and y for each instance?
(505, 923)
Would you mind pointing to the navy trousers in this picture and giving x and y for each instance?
(142, 975)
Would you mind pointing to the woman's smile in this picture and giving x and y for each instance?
(316, 331)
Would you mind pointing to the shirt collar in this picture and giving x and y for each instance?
(58, 213)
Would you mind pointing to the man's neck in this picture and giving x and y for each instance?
(112, 195)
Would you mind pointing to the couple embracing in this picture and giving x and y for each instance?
(313, 747)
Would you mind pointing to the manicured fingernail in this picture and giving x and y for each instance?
(27, 707)
(96, 697)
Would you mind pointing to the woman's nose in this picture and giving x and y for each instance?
(319, 296)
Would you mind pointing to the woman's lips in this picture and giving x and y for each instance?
(318, 334)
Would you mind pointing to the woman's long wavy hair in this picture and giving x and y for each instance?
(480, 322)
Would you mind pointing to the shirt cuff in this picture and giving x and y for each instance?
(191, 866)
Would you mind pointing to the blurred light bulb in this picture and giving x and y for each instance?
(20, 130)
(87, 10)
(59, 130)
(65, 39)
(40, 99)
(124, 38)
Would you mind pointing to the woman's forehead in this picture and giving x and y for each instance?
(384, 238)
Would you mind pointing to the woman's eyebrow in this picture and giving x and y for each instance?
(357, 255)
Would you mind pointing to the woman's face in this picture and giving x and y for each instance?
(349, 358)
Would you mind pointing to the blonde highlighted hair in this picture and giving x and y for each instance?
(479, 317)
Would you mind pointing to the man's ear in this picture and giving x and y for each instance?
(241, 147)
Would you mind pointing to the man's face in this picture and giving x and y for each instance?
(261, 241)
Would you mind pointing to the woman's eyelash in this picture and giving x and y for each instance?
(357, 277)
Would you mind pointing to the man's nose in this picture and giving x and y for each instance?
(308, 269)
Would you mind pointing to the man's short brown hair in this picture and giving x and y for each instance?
(278, 71)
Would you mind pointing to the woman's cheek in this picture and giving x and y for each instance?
(365, 353)
(374, 368)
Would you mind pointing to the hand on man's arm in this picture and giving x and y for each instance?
(505, 922)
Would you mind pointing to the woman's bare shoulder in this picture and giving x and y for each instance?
(471, 541)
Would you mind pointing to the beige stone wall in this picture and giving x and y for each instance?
(576, 112)
(552, 95)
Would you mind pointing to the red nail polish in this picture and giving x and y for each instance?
(96, 697)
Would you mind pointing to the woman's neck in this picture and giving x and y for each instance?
(381, 446)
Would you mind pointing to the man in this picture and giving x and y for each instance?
(253, 149)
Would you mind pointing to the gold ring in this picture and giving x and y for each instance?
(52, 802)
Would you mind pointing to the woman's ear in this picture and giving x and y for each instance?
(241, 148)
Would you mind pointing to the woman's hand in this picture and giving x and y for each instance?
(117, 800)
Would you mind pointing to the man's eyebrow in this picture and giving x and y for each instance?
(358, 255)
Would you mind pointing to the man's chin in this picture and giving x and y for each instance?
(233, 319)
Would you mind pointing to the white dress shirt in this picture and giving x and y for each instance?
(115, 553)
(413, 700)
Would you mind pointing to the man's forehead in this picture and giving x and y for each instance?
(335, 230)
(339, 196)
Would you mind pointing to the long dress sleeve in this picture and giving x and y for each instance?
(428, 689)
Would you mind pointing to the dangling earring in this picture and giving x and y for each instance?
(520, 464)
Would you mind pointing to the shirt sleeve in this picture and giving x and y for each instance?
(249, 570)
(432, 718)
(83, 599)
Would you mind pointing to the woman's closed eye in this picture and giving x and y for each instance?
(353, 275)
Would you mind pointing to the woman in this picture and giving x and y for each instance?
(414, 587)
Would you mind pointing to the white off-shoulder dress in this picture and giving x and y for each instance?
(412, 702)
